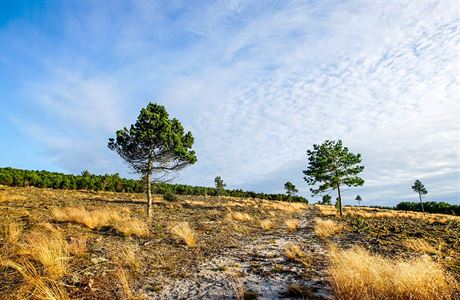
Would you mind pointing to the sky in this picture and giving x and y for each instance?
(256, 82)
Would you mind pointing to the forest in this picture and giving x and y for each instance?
(115, 183)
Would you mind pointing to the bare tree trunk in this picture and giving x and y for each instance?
(421, 203)
(149, 197)
(340, 201)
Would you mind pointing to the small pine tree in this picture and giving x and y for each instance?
(419, 188)
(358, 198)
(290, 189)
(327, 200)
(220, 185)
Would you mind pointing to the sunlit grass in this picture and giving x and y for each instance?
(357, 274)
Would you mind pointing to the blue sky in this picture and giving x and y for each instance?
(257, 83)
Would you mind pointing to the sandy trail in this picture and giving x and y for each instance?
(258, 267)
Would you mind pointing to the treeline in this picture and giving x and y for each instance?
(114, 183)
(431, 207)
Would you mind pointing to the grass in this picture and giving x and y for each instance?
(103, 218)
(96, 226)
(124, 281)
(92, 219)
(78, 246)
(238, 216)
(34, 283)
(421, 245)
(185, 233)
(292, 224)
(293, 252)
(326, 228)
(12, 231)
(50, 250)
(132, 227)
(129, 257)
(357, 274)
(8, 197)
(266, 224)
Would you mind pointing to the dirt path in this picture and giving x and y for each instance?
(258, 268)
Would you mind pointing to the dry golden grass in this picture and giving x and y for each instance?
(266, 224)
(97, 219)
(293, 252)
(238, 216)
(34, 285)
(326, 210)
(8, 196)
(123, 279)
(292, 224)
(77, 246)
(129, 257)
(50, 250)
(132, 226)
(367, 212)
(357, 274)
(326, 228)
(184, 232)
(420, 245)
(92, 219)
(12, 231)
(286, 207)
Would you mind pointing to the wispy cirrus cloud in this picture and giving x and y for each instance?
(257, 83)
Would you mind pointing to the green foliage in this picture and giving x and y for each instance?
(332, 165)
(155, 143)
(114, 183)
(290, 189)
(169, 196)
(220, 185)
(326, 200)
(431, 207)
(419, 187)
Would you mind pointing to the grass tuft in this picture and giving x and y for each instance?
(238, 216)
(12, 232)
(184, 232)
(357, 274)
(103, 218)
(50, 250)
(292, 224)
(35, 285)
(420, 245)
(266, 224)
(326, 228)
(293, 252)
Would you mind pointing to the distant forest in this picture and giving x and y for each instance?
(114, 183)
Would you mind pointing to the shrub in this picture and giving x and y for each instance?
(169, 196)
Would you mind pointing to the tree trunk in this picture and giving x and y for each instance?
(149, 197)
(340, 201)
(421, 203)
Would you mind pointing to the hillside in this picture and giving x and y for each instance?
(97, 245)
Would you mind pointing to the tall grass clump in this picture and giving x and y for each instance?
(185, 233)
(266, 224)
(292, 224)
(103, 218)
(357, 274)
(34, 285)
(11, 232)
(238, 216)
(50, 250)
(326, 228)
